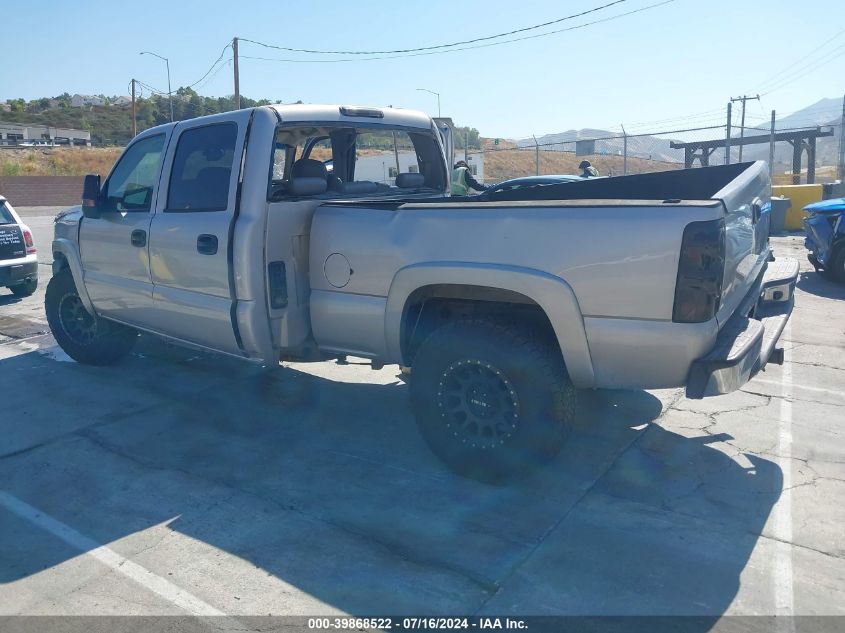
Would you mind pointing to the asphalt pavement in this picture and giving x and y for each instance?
(179, 483)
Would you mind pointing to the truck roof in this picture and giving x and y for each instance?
(353, 114)
(309, 113)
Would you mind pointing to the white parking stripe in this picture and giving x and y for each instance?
(141, 575)
(789, 386)
(782, 519)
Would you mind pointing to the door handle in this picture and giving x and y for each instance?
(138, 238)
(207, 244)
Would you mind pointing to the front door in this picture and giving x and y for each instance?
(115, 246)
(190, 250)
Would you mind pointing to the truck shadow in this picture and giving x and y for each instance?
(7, 298)
(821, 285)
(325, 485)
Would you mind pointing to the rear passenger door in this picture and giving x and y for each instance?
(192, 230)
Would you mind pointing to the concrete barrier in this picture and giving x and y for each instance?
(801, 196)
(38, 191)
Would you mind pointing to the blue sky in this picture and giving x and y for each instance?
(682, 60)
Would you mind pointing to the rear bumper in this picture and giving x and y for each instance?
(749, 339)
(16, 271)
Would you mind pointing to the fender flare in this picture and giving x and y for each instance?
(69, 252)
(554, 296)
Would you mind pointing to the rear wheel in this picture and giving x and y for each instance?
(490, 401)
(84, 337)
(25, 289)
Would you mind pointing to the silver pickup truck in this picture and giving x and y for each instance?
(312, 232)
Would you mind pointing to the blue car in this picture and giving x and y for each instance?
(826, 236)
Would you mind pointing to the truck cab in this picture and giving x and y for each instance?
(163, 242)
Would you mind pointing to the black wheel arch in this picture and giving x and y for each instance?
(430, 307)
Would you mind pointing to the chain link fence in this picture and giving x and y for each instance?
(614, 154)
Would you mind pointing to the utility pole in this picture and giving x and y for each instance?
(134, 116)
(772, 146)
(624, 150)
(728, 137)
(536, 153)
(396, 155)
(841, 167)
(743, 98)
(466, 146)
(237, 74)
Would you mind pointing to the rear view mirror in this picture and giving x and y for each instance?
(91, 196)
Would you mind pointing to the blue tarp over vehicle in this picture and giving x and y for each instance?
(826, 235)
(834, 205)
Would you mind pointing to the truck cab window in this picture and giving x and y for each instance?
(131, 184)
(354, 162)
(380, 156)
(202, 169)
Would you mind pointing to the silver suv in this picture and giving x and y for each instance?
(18, 261)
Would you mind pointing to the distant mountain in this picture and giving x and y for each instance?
(822, 113)
(826, 112)
(608, 144)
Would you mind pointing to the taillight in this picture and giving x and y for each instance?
(30, 245)
(701, 267)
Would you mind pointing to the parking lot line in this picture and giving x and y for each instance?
(784, 594)
(763, 381)
(141, 575)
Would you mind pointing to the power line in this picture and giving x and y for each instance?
(806, 70)
(150, 88)
(214, 74)
(451, 50)
(779, 75)
(222, 53)
(438, 46)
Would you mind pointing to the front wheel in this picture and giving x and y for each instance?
(83, 336)
(490, 401)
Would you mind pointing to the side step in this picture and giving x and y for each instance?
(779, 280)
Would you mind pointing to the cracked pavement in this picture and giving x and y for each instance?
(307, 490)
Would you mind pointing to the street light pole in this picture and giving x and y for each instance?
(169, 90)
(436, 94)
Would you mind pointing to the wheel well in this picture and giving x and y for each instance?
(59, 261)
(430, 307)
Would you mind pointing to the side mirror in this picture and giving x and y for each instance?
(91, 196)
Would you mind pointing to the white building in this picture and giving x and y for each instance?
(81, 101)
(17, 134)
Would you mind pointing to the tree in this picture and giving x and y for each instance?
(195, 107)
(461, 133)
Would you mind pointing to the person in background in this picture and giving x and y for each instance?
(462, 180)
(587, 170)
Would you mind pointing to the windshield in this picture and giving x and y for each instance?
(5, 214)
(355, 161)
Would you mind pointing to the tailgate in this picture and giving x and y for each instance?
(746, 200)
(11, 242)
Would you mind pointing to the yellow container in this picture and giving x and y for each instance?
(800, 196)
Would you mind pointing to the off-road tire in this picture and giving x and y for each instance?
(84, 337)
(25, 289)
(471, 378)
